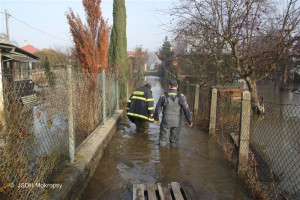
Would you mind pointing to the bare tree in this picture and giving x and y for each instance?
(248, 38)
(151, 59)
(140, 58)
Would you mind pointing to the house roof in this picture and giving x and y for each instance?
(14, 52)
(29, 48)
(5, 41)
(19, 57)
(130, 53)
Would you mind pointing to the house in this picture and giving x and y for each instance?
(29, 48)
(15, 66)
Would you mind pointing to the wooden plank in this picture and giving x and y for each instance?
(164, 192)
(151, 189)
(189, 191)
(235, 99)
(161, 193)
(176, 191)
(138, 192)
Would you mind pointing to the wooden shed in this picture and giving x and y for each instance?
(230, 94)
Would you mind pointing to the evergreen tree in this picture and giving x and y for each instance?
(118, 57)
(165, 54)
(49, 74)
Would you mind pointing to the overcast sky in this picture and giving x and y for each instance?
(46, 24)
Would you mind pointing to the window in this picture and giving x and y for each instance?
(22, 71)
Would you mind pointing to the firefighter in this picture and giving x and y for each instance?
(172, 103)
(140, 108)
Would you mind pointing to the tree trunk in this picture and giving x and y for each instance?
(283, 84)
(255, 104)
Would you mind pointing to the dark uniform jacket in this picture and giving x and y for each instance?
(163, 102)
(140, 104)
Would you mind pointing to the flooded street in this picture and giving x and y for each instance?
(133, 158)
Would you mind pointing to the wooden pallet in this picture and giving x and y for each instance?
(29, 101)
(172, 191)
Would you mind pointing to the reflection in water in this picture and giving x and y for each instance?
(132, 158)
(49, 131)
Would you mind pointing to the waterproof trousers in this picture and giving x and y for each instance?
(142, 126)
(172, 134)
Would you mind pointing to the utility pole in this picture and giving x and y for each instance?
(7, 30)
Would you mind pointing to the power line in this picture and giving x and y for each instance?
(35, 28)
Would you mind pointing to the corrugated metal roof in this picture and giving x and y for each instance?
(19, 57)
(5, 41)
(12, 51)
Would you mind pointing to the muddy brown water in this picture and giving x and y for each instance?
(133, 158)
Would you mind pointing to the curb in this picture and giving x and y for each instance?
(75, 177)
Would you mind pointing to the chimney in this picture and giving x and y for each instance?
(25, 43)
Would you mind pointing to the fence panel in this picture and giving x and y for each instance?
(87, 98)
(227, 122)
(275, 135)
(34, 133)
(204, 107)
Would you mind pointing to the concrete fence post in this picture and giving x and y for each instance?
(213, 112)
(196, 106)
(104, 96)
(70, 114)
(244, 133)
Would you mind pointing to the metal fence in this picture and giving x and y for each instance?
(267, 146)
(275, 135)
(35, 125)
(202, 109)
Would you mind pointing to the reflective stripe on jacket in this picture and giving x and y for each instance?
(140, 104)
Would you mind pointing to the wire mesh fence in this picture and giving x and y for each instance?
(227, 122)
(275, 135)
(266, 146)
(87, 101)
(34, 135)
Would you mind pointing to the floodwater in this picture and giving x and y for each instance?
(276, 135)
(133, 158)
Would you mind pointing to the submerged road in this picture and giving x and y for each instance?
(133, 158)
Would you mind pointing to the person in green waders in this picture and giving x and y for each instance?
(140, 108)
(172, 104)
